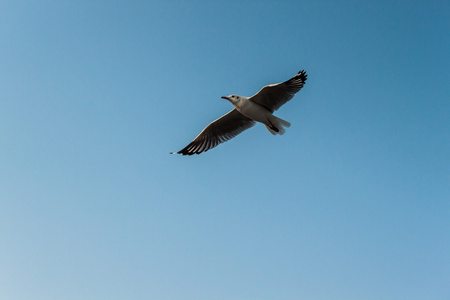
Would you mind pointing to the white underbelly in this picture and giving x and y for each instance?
(254, 111)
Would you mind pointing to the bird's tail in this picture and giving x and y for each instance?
(278, 126)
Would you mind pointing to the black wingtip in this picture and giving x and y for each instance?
(182, 152)
(302, 74)
(185, 152)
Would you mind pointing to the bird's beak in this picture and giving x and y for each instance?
(225, 98)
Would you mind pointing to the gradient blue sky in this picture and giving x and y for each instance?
(353, 202)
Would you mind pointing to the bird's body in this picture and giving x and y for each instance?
(259, 113)
(251, 110)
(247, 111)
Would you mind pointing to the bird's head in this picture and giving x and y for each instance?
(232, 98)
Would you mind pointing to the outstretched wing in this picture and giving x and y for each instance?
(273, 96)
(221, 130)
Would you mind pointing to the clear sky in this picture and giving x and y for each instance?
(353, 202)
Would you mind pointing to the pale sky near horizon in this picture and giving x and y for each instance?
(353, 202)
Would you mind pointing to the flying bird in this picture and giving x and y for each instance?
(247, 111)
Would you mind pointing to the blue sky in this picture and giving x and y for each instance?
(353, 202)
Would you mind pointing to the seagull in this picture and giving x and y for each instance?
(247, 111)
